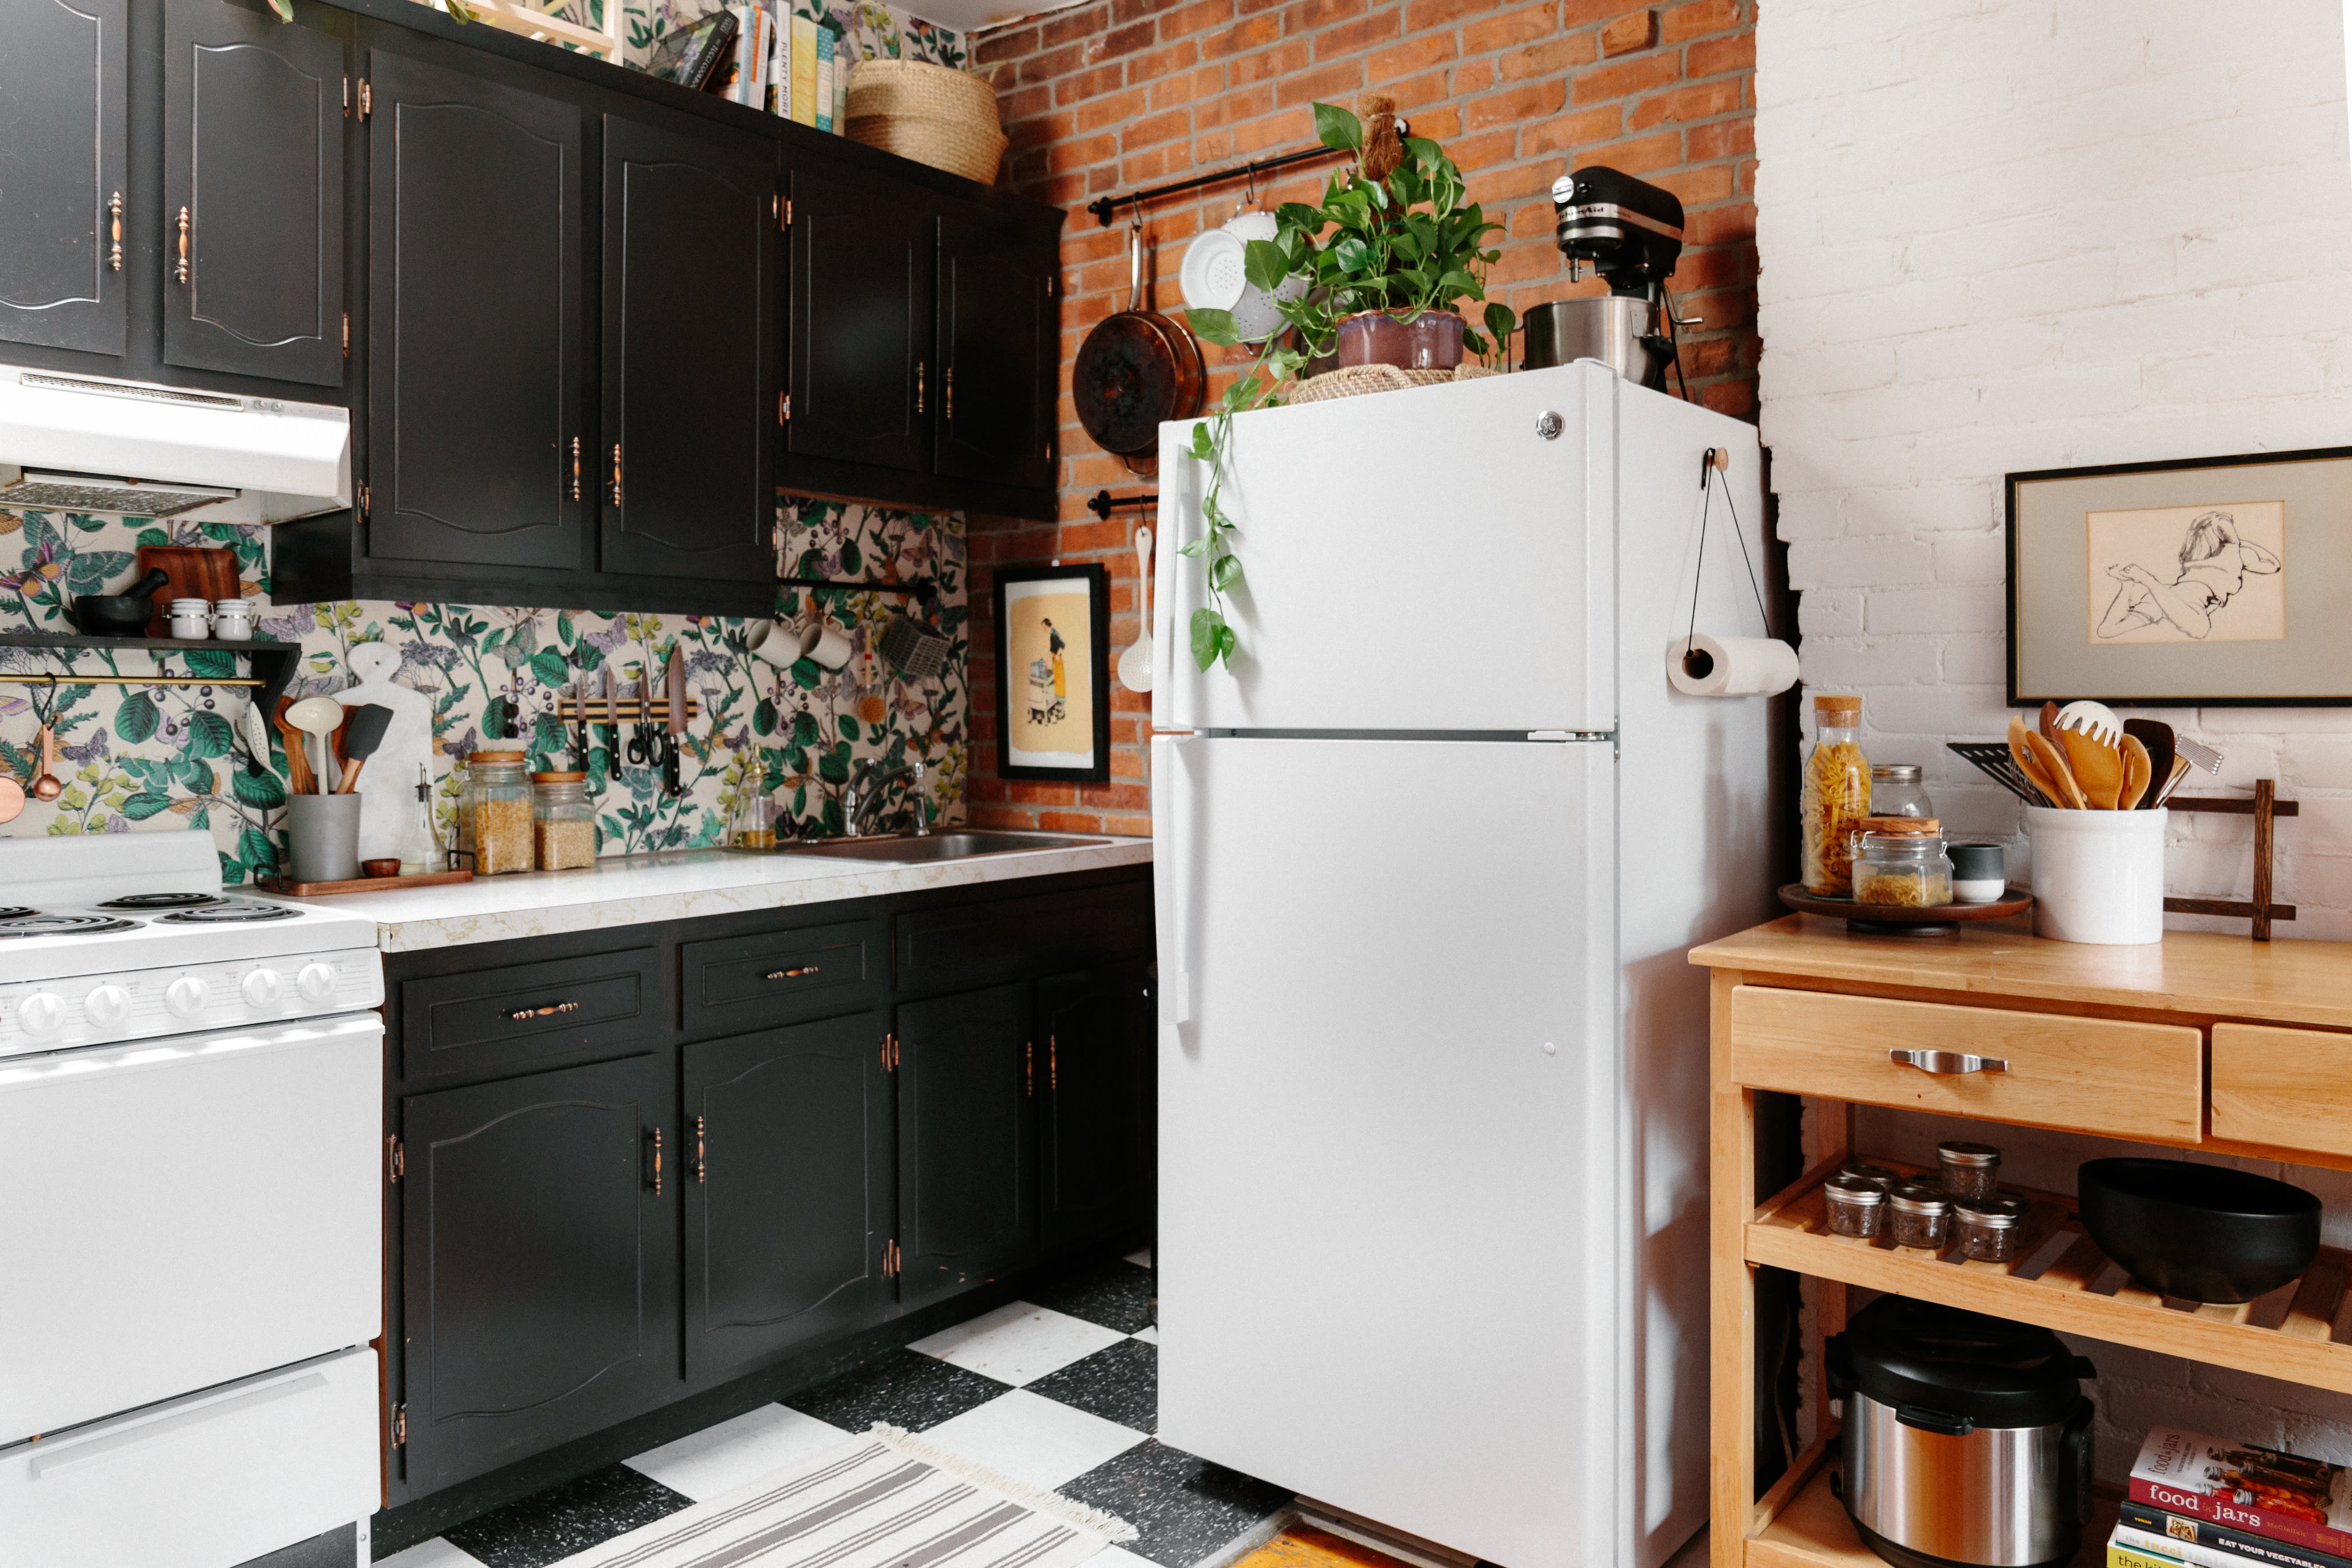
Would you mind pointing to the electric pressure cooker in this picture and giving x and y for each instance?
(1967, 1440)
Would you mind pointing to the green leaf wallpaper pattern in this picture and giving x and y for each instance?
(868, 29)
(171, 755)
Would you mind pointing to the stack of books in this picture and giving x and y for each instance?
(759, 54)
(2202, 1502)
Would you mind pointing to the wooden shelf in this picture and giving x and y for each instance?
(2063, 1281)
(1811, 1530)
(273, 661)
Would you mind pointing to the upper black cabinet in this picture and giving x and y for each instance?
(64, 159)
(999, 348)
(253, 192)
(477, 451)
(693, 352)
(862, 376)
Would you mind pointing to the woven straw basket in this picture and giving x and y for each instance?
(929, 113)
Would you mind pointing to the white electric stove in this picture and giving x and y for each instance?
(191, 1144)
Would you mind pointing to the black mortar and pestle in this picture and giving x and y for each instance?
(123, 614)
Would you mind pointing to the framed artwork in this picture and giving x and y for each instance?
(1052, 682)
(2206, 581)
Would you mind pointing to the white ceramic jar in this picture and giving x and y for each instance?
(233, 620)
(2098, 876)
(192, 619)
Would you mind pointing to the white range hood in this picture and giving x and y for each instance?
(88, 444)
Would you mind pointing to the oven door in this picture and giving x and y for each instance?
(180, 1213)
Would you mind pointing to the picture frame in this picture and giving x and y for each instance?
(2191, 583)
(1052, 683)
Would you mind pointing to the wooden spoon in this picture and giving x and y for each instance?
(2097, 767)
(2028, 765)
(297, 756)
(2138, 769)
(2055, 764)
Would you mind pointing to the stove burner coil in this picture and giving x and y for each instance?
(161, 901)
(226, 913)
(37, 924)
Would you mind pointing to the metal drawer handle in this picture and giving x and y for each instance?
(549, 1010)
(1948, 1062)
(793, 974)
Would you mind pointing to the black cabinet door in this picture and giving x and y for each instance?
(476, 339)
(967, 1141)
(62, 163)
(538, 1276)
(787, 1165)
(693, 351)
(253, 193)
(999, 344)
(862, 386)
(1094, 1135)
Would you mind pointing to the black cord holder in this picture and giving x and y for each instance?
(920, 590)
(1107, 208)
(1102, 505)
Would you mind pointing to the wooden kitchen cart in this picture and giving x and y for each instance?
(2203, 1042)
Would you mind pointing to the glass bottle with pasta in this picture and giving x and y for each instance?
(1835, 796)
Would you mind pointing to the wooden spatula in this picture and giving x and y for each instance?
(2139, 768)
(2055, 764)
(2097, 767)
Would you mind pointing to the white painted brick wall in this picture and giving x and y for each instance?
(2004, 235)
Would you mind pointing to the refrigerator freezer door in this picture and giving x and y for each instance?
(1389, 1243)
(1426, 560)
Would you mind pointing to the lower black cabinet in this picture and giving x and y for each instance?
(536, 1297)
(1095, 1147)
(786, 1164)
(967, 1117)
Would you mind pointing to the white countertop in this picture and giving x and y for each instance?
(635, 889)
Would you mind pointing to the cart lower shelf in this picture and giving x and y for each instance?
(1811, 1530)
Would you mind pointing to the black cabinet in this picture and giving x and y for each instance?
(862, 380)
(1095, 1134)
(999, 348)
(786, 1156)
(692, 351)
(64, 163)
(476, 354)
(539, 1253)
(253, 191)
(967, 1117)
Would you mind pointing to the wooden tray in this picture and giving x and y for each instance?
(197, 572)
(1904, 920)
(361, 884)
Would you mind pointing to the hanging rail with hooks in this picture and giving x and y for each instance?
(922, 589)
(1105, 208)
(273, 662)
(1102, 505)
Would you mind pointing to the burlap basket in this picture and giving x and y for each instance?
(1355, 380)
(930, 113)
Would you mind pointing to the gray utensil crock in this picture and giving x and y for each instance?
(323, 835)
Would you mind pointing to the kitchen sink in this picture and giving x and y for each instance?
(907, 848)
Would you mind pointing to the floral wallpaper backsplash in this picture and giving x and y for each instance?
(135, 755)
(866, 29)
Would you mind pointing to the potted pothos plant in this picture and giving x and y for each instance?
(1394, 236)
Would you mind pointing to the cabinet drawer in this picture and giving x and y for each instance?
(2289, 1087)
(2094, 1075)
(1006, 937)
(776, 978)
(523, 1013)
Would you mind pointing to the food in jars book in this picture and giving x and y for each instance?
(2246, 1486)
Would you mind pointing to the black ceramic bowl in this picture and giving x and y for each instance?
(2203, 1233)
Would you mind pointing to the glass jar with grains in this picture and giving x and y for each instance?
(1895, 791)
(1900, 861)
(562, 821)
(494, 824)
(1835, 796)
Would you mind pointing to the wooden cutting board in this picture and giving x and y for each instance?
(196, 572)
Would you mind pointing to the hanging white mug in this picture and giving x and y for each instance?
(773, 642)
(826, 645)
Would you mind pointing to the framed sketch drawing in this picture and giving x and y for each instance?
(2209, 582)
(1052, 673)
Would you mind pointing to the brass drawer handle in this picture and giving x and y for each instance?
(793, 974)
(1947, 1063)
(180, 273)
(549, 1010)
(114, 226)
(657, 1153)
(576, 468)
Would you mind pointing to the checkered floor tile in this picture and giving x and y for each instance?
(1060, 1391)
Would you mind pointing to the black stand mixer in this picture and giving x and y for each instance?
(1631, 233)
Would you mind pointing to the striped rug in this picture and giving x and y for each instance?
(881, 1501)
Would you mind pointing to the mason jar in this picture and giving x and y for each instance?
(562, 821)
(494, 824)
(1901, 860)
(1987, 1228)
(1969, 1170)
(1919, 1214)
(1855, 1205)
(1895, 791)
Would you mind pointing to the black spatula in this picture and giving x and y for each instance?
(363, 733)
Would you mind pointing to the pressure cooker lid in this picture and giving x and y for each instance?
(1903, 1352)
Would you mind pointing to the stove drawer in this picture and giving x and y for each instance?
(525, 1014)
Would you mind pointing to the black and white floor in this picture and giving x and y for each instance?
(1060, 1391)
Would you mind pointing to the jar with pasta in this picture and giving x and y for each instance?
(562, 821)
(1835, 795)
(494, 824)
(1901, 860)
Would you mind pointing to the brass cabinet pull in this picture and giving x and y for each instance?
(1053, 1065)
(701, 1153)
(180, 273)
(576, 468)
(547, 1011)
(947, 394)
(658, 1152)
(1029, 1067)
(919, 368)
(793, 974)
(114, 211)
(616, 473)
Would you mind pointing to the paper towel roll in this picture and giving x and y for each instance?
(1706, 666)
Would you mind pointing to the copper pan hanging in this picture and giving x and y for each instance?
(1135, 369)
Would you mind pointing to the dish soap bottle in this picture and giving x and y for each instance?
(420, 846)
(1836, 795)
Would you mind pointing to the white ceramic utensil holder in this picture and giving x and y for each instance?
(2098, 876)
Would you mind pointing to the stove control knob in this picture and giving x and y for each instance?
(262, 988)
(40, 1013)
(107, 1006)
(315, 982)
(186, 996)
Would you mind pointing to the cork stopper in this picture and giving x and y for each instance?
(494, 757)
(1838, 711)
(1921, 826)
(556, 778)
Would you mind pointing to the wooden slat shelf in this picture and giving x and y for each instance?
(1811, 1530)
(2063, 1281)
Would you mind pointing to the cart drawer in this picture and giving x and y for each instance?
(2095, 1075)
(2290, 1087)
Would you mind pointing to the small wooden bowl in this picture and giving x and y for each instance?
(382, 867)
(1904, 920)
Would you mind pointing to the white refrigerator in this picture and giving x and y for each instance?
(1432, 1067)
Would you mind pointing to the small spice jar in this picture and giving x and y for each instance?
(1969, 1170)
(562, 821)
(494, 824)
(1919, 1214)
(1854, 1206)
(1987, 1228)
(1895, 791)
(1901, 860)
(1879, 1176)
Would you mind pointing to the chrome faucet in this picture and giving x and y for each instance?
(861, 797)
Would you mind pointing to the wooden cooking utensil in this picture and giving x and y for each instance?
(297, 756)
(2181, 770)
(361, 733)
(2097, 767)
(2049, 726)
(2055, 764)
(2031, 766)
(2138, 769)
(2156, 735)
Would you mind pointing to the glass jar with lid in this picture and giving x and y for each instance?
(1895, 791)
(1987, 1228)
(1919, 1214)
(1877, 1175)
(494, 826)
(562, 821)
(1835, 796)
(1969, 1170)
(1901, 860)
(1855, 1205)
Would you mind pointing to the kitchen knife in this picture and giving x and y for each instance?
(676, 694)
(612, 729)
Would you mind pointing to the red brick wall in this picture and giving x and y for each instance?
(1107, 97)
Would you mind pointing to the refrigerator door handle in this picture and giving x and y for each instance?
(1177, 520)
(1172, 757)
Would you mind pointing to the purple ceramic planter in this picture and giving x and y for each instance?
(1431, 341)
